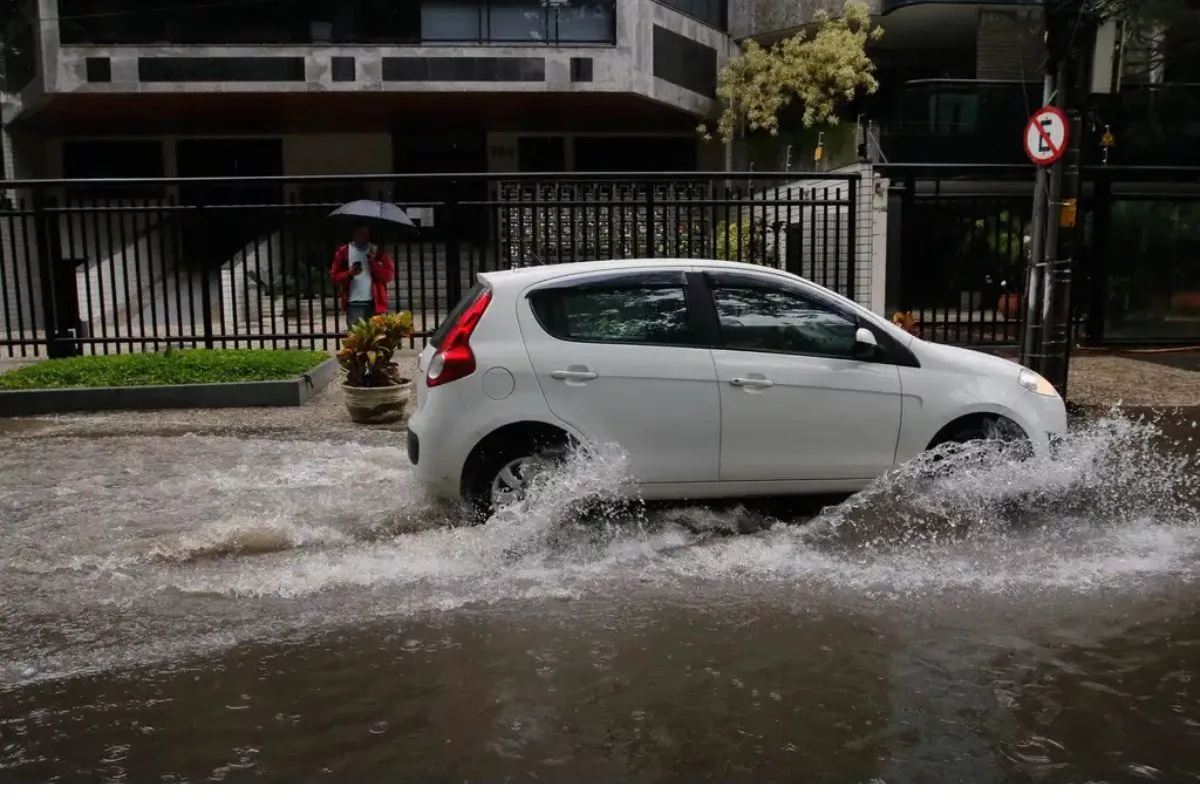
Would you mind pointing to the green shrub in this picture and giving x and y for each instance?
(167, 368)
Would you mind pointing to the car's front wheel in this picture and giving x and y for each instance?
(996, 431)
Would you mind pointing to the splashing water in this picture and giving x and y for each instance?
(151, 548)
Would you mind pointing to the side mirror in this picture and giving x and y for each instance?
(865, 344)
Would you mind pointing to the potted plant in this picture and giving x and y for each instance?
(1010, 305)
(905, 321)
(374, 391)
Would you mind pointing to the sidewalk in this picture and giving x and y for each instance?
(1133, 380)
(1096, 382)
(322, 418)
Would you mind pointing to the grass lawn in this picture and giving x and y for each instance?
(168, 368)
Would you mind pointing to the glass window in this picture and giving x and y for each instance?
(451, 22)
(616, 314)
(517, 21)
(713, 12)
(775, 318)
(1152, 249)
(585, 21)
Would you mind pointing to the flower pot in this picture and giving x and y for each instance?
(1010, 305)
(376, 405)
(1187, 302)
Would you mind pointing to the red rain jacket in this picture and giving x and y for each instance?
(382, 272)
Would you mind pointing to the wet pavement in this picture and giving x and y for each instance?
(267, 609)
(1186, 358)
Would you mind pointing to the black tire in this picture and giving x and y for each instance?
(491, 459)
(1000, 430)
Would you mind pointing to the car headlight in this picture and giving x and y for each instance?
(1036, 383)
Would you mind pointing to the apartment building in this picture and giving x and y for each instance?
(949, 122)
(194, 88)
(222, 87)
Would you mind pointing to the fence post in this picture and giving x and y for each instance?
(1098, 259)
(205, 284)
(651, 250)
(453, 252)
(852, 238)
(59, 303)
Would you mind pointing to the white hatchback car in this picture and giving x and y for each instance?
(717, 379)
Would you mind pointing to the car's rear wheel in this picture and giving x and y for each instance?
(505, 470)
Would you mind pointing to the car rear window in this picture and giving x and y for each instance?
(651, 314)
(439, 335)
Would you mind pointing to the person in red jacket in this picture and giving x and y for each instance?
(361, 271)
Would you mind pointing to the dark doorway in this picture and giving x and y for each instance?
(221, 158)
(431, 154)
(215, 235)
(541, 154)
(635, 154)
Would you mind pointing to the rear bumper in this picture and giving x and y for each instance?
(436, 440)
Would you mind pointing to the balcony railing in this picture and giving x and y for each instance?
(888, 6)
(1153, 125)
(301, 22)
(981, 122)
(522, 22)
(958, 121)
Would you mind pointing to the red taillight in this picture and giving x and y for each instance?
(453, 359)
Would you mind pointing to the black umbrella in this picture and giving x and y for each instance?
(374, 210)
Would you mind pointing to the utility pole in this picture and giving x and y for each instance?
(1045, 344)
(1031, 336)
(1057, 305)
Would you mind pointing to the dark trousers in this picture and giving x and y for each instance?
(357, 311)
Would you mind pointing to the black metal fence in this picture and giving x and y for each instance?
(962, 258)
(105, 266)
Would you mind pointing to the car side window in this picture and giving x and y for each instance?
(619, 312)
(766, 315)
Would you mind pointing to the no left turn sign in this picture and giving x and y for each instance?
(1046, 136)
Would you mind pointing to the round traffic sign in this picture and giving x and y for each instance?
(1046, 136)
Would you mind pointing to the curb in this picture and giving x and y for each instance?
(293, 392)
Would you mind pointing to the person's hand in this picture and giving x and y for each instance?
(356, 269)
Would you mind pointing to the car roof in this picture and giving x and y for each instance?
(526, 275)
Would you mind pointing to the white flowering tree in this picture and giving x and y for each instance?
(819, 71)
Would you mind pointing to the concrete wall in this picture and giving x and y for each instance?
(241, 296)
(825, 258)
(128, 260)
(21, 295)
(625, 67)
(21, 299)
(347, 154)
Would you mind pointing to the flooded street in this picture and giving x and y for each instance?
(262, 609)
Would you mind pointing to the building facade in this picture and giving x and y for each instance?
(174, 88)
(178, 89)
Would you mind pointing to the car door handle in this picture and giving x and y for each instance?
(573, 375)
(759, 383)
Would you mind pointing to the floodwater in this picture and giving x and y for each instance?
(203, 608)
